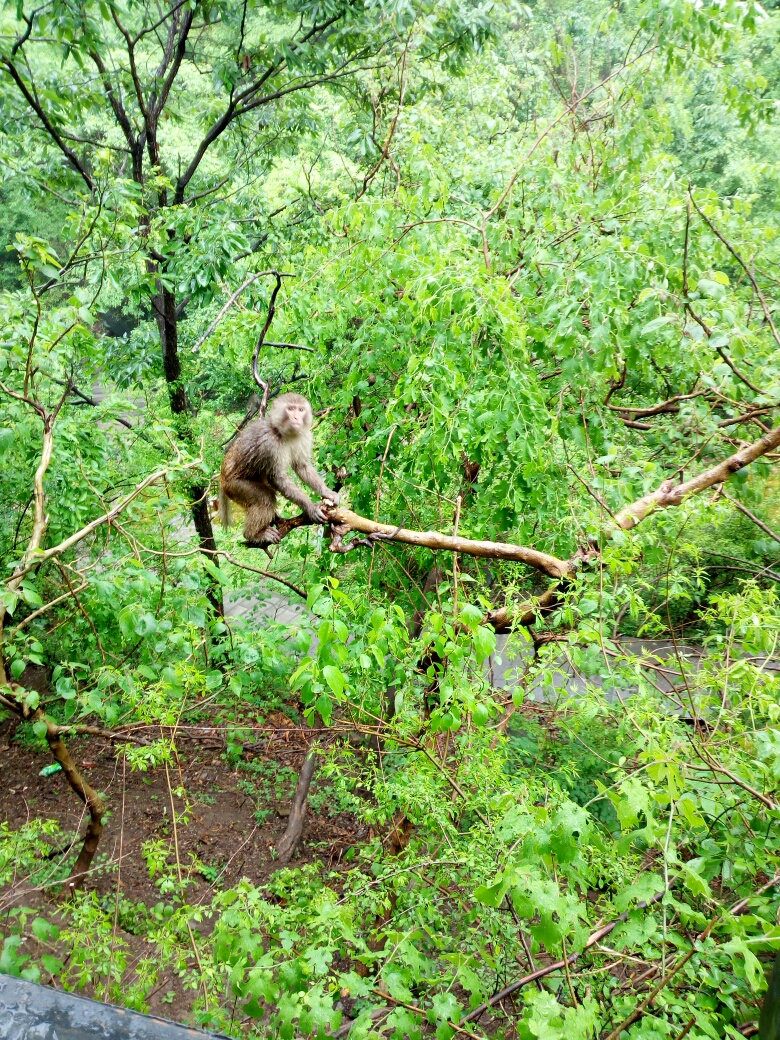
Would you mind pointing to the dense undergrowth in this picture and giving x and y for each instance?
(533, 256)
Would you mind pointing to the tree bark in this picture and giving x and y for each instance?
(168, 324)
(288, 842)
(93, 802)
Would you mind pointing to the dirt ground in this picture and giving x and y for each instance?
(223, 832)
(233, 824)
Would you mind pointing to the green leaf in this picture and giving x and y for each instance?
(493, 895)
(126, 619)
(471, 616)
(324, 706)
(10, 960)
(52, 964)
(484, 643)
(335, 679)
(657, 323)
(146, 625)
(480, 714)
(44, 930)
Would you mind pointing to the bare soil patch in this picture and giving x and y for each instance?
(231, 830)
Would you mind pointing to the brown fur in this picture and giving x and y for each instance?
(257, 465)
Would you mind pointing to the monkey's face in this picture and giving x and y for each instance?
(295, 418)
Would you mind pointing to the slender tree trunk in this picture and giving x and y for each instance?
(94, 804)
(168, 323)
(288, 842)
(769, 1023)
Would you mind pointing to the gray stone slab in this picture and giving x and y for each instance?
(32, 1012)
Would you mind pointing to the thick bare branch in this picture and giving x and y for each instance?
(344, 521)
(670, 494)
(540, 561)
(37, 558)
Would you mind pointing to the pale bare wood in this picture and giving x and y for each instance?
(671, 494)
(540, 561)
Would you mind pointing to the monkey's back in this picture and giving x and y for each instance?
(258, 453)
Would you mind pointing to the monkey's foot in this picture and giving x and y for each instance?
(270, 536)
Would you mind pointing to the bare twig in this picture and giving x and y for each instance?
(756, 288)
(232, 300)
(751, 516)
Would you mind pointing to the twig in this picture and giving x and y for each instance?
(264, 386)
(232, 300)
(591, 492)
(742, 264)
(548, 969)
(751, 516)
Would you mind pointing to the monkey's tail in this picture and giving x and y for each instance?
(225, 510)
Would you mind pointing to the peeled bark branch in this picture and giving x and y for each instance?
(344, 521)
(540, 561)
(667, 495)
(36, 557)
(670, 494)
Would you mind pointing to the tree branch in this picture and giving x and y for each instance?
(70, 155)
(752, 516)
(669, 494)
(41, 557)
(229, 304)
(742, 264)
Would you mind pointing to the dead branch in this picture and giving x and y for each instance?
(666, 496)
(670, 494)
(540, 561)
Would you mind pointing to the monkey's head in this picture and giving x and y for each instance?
(290, 415)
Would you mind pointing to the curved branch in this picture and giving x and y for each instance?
(344, 521)
(232, 300)
(34, 558)
(265, 387)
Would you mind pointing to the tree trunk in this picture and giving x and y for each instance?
(288, 842)
(769, 1023)
(94, 804)
(168, 323)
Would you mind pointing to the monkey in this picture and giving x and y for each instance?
(256, 466)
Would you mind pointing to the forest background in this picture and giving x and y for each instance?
(524, 261)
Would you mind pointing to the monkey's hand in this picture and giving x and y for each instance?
(316, 513)
(331, 497)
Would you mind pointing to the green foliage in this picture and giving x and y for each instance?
(534, 255)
